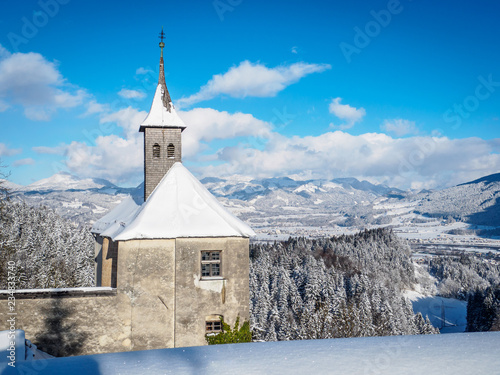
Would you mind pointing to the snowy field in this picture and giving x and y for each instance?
(453, 354)
(447, 314)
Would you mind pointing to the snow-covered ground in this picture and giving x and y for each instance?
(447, 314)
(453, 354)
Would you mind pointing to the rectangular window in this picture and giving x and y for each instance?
(210, 263)
(213, 326)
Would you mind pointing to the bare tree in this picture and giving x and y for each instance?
(5, 248)
(4, 190)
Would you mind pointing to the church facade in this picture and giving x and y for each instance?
(168, 266)
(180, 257)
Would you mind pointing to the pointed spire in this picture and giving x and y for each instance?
(167, 102)
(162, 113)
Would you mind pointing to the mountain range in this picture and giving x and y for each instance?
(282, 202)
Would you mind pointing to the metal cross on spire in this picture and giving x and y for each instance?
(162, 36)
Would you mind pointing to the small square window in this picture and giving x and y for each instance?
(213, 326)
(210, 263)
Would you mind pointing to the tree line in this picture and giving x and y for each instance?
(347, 286)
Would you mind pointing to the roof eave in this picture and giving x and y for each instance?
(177, 237)
(143, 127)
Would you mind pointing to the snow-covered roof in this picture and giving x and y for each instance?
(159, 115)
(113, 221)
(180, 206)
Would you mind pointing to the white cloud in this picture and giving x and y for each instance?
(410, 162)
(20, 162)
(115, 158)
(206, 124)
(141, 71)
(6, 151)
(29, 80)
(248, 79)
(94, 107)
(111, 157)
(345, 112)
(294, 50)
(399, 127)
(126, 118)
(131, 94)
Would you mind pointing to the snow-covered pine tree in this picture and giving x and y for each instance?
(335, 287)
(49, 251)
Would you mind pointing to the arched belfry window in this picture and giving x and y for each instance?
(170, 151)
(156, 150)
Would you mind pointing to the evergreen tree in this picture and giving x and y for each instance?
(343, 286)
(49, 252)
(483, 310)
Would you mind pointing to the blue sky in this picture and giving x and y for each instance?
(403, 92)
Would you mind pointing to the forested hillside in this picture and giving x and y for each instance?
(346, 286)
(49, 251)
(475, 202)
(458, 277)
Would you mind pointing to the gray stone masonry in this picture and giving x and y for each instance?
(155, 168)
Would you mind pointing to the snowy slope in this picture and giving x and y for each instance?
(10, 185)
(453, 354)
(447, 314)
(476, 202)
(112, 223)
(79, 200)
(66, 181)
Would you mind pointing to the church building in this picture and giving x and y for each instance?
(179, 257)
(168, 265)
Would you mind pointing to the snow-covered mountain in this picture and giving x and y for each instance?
(248, 189)
(86, 200)
(284, 202)
(63, 181)
(82, 200)
(475, 202)
(6, 184)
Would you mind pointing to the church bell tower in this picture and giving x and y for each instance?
(162, 130)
